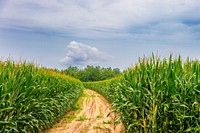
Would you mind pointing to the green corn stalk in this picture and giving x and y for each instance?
(156, 95)
(31, 97)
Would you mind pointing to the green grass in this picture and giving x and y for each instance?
(99, 116)
(97, 127)
(70, 118)
(83, 118)
(107, 122)
(77, 106)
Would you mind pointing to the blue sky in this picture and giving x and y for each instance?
(109, 33)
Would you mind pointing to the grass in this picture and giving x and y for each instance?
(97, 127)
(77, 106)
(107, 122)
(70, 118)
(84, 95)
(82, 118)
(99, 116)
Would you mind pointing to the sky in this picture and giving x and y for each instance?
(106, 33)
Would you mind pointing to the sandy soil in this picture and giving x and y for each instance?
(90, 116)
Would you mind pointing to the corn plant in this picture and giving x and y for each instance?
(33, 98)
(160, 96)
(156, 95)
(107, 88)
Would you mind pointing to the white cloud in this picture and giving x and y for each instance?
(102, 19)
(99, 13)
(81, 55)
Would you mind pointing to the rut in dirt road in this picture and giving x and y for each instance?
(90, 117)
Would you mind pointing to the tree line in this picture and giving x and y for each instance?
(91, 73)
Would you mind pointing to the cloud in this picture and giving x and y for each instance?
(89, 14)
(154, 20)
(79, 54)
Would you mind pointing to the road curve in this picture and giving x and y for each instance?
(89, 117)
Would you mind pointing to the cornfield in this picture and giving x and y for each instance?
(153, 96)
(107, 88)
(158, 96)
(32, 98)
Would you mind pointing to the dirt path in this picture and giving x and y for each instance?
(90, 116)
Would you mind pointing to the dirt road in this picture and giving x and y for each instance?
(90, 116)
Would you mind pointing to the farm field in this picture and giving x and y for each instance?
(155, 95)
(99, 66)
(32, 98)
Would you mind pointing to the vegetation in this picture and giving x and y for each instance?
(32, 98)
(107, 88)
(153, 96)
(83, 118)
(91, 73)
(156, 95)
(97, 127)
(107, 122)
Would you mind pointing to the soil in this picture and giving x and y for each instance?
(89, 116)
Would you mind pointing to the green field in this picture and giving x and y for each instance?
(155, 95)
(33, 99)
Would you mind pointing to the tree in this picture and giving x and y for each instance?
(91, 73)
(71, 71)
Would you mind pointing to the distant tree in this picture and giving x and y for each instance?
(91, 73)
(116, 71)
(107, 73)
(71, 71)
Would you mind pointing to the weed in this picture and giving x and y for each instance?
(107, 122)
(97, 127)
(83, 118)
